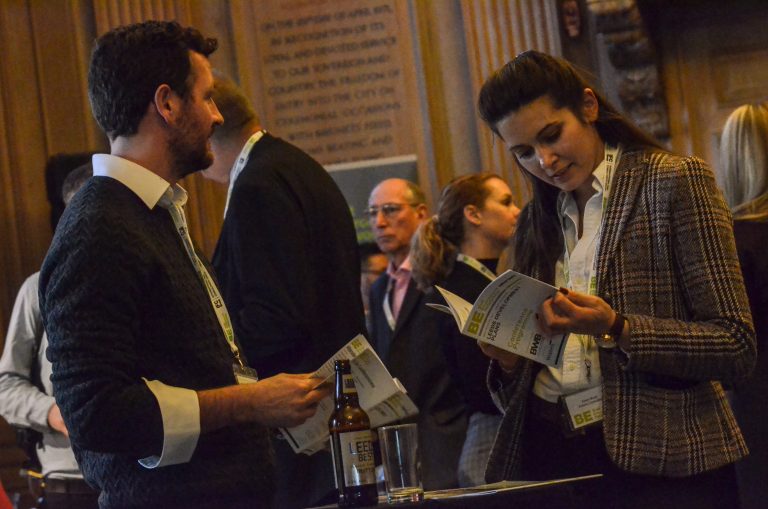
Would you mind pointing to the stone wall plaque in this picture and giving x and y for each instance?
(332, 77)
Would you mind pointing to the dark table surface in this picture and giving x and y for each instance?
(555, 494)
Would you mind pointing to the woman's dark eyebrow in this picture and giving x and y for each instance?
(538, 135)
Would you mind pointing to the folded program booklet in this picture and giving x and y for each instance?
(504, 315)
(382, 397)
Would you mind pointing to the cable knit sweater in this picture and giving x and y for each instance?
(121, 303)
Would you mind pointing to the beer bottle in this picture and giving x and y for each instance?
(351, 444)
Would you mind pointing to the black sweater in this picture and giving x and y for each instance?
(467, 363)
(121, 302)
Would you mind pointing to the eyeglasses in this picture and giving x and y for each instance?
(388, 210)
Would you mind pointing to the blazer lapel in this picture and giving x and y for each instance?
(623, 194)
(412, 298)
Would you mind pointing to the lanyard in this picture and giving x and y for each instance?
(242, 160)
(472, 262)
(179, 220)
(387, 306)
(611, 158)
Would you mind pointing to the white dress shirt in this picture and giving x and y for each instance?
(580, 368)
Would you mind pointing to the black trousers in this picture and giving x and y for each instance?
(71, 501)
(547, 454)
(69, 494)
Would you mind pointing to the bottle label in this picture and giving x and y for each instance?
(356, 451)
(349, 385)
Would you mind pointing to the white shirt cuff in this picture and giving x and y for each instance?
(180, 411)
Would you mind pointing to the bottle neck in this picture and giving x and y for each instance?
(346, 393)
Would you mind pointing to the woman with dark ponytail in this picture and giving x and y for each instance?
(459, 249)
(640, 243)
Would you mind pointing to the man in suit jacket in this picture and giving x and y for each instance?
(288, 264)
(403, 332)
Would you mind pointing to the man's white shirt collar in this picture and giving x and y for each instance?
(148, 186)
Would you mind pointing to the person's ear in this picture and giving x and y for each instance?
(589, 106)
(167, 103)
(421, 211)
(473, 215)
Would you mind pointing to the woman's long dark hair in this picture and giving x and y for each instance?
(538, 240)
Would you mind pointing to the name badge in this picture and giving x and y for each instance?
(584, 408)
(244, 374)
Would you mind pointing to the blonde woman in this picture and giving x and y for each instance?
(743, 176)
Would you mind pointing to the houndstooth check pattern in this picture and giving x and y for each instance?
(668, 263)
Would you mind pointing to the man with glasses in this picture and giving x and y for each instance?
(404, 333)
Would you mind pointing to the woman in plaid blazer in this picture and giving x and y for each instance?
(640, 242)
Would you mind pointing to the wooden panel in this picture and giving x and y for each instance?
(447, 90)
(67, 121)
(83, 31)
(212, 19)
(205, 212)
(243, 15)
(724, 51)
(110, 14)
(417, 122)
(739, 76)
(496, 31)
(206, 206)
(26, 143)
(10, 261)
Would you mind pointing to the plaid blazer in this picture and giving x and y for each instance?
(668, 262)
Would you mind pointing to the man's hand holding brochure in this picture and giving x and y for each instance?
(504, 315)
(382, 397)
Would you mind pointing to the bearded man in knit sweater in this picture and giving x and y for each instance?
(161, 409)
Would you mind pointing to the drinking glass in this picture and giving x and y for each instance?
(400, 457)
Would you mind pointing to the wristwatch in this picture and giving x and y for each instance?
(610, 339)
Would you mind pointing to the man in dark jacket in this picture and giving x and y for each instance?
(288, 263)
(403, 331)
